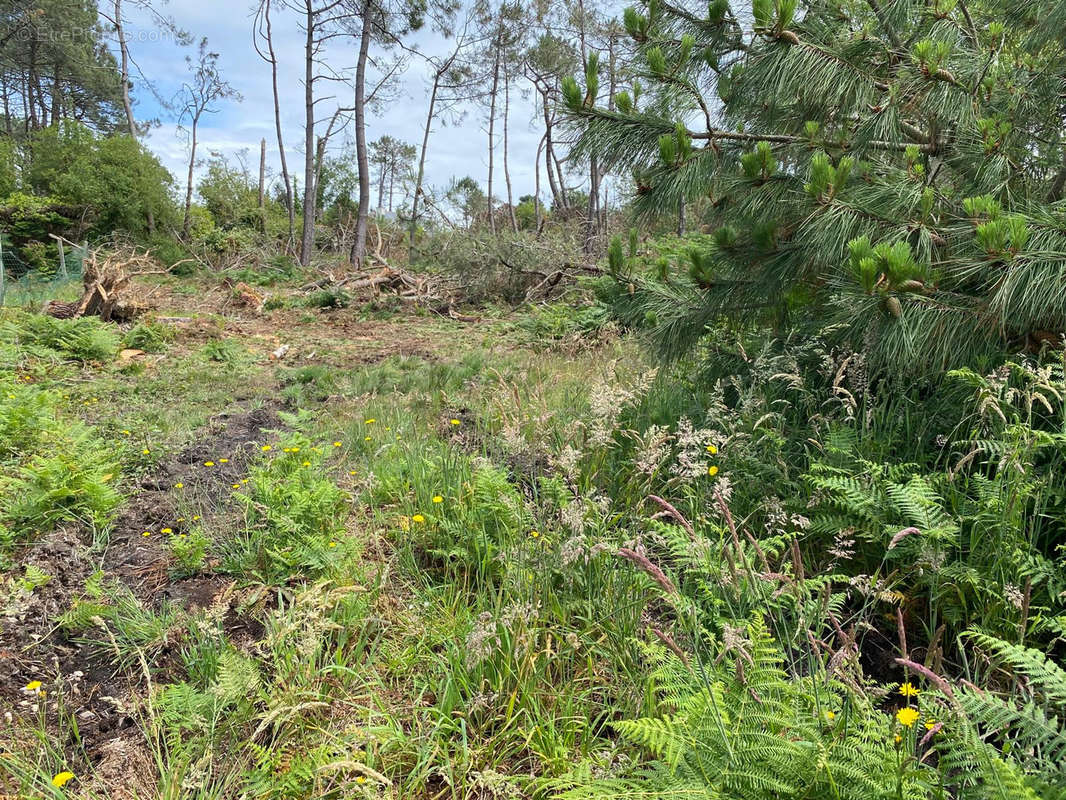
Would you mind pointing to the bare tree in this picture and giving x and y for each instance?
(263, 31)
(198, 97)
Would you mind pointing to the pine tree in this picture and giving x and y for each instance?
(894, 173)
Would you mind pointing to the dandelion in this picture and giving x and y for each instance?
(712, 470)
(908, 690)
(179, 485)
(33, 686)
(62, 779)
(125, 433)
(370, 421)
(307, 463)
(209, 463)
(438, 499)
(223, 461)
(930, 724)
(266, 448)
(534, 534)
(146, 534)
(907, 716)
(166, 530)
(351, 472)
(294, 450)
(897, 738)
(712, 449)
(236, 485)
(366, 438)
(830, 716)
(360, 779)
(418, 518)
(455, 422)
(336, 444)
(332, 544)
(145, 451)
(196, 518)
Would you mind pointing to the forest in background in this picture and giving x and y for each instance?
(732, 467)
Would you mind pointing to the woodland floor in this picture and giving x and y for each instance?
(188, 424)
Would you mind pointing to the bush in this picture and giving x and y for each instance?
(80, 339)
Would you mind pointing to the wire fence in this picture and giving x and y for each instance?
(23, 284)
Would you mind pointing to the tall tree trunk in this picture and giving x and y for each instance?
(492, 132)
(57, 99)
(362, 220)
(537, 212)
(290, 206)
(7, 105)
(392, 180)
(186, 220)
(124, 69)
(557, 196)
(506, 168)
(381, 186)
(681, 218)
(422, 161)
(262, 182)
(592, 213)
(307, 241)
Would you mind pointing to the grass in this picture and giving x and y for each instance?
(403, 581)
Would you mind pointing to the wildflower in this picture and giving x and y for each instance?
(712, 449)
(712, 470)
(418, 518)
(438, 499)
(146, 534)
(370, 421)
(897, 738)
(907, 690)
(223, 461)
(266, 448)
(294, 450)
(336, 444)
(33, 686)
(125, 433)
(360, 779)
(332, 544)
(181, 519)
(209, 463)
(534, 534)
(196, 518)
(287, 450)
(236, 485)
(830, 716)
(307, 463)
(366, 438)
(351, 472)
(907, 716)
(179, 485)
(146, 451)
(166, 530)
(930, 724)
(455, 422)
(62, 779)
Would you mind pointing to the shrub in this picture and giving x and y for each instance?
(80, 339)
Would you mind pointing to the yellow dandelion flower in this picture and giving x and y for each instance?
(125, 433)
(266, 448)
(534, 534)
(209, 463)
(181, 519)
(166, 530)
(360, 779)
(908, 690)
(307, 463)
(366, 438)
(438, 499)
(930, 724)
(907, 716)
(370, 421)
(179, 485)
(712, 449)
(336, 444)
(146, 533)
(295, 450)
(418, 518)
(351, 472)
(830, 715)
(145, 451)
(62, 779)
(455, 422)
(897, 738)
(223, 461)
(712, 470)
(33, 686)
(332, 544)
(236, 485)
(196, 518)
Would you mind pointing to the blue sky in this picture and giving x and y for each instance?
(455, 150)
